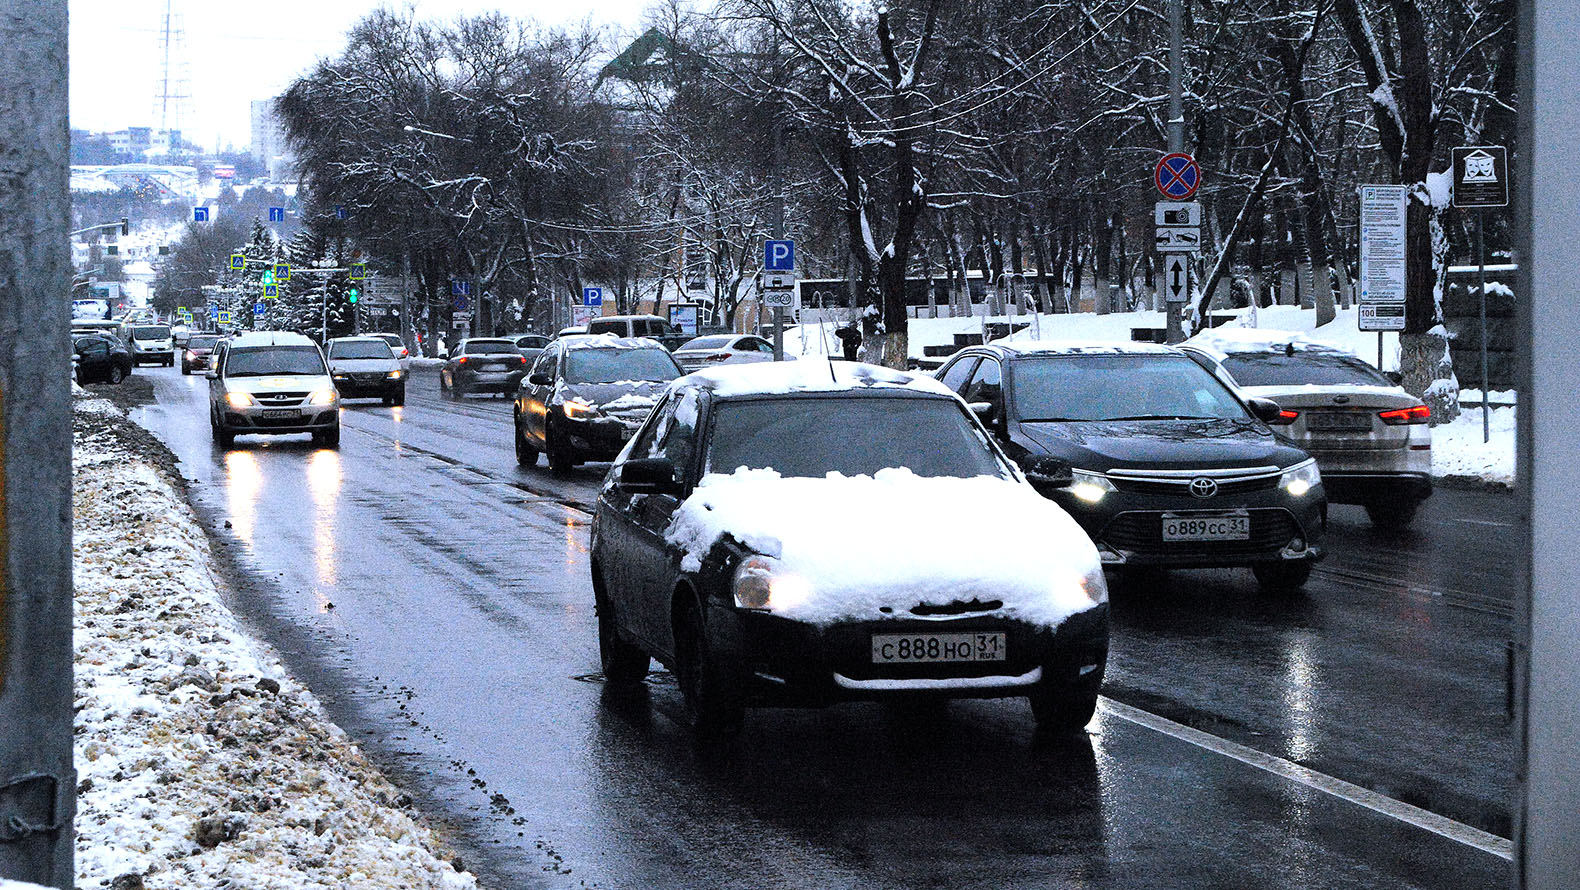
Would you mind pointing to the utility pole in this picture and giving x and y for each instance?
(776, 181)
(1174, 331)
(37, 781)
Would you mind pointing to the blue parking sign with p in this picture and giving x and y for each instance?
(779, 256)
(592, 296)
(258, 309)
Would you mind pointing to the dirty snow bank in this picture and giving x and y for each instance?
(861, 542)
(200, 763)
(1459, 453)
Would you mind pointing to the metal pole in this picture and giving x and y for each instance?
(324, 337)
(37, 782)
(777, 183)
(1481, 276)
(1379, 350)
(406, 327)
(1174, 330)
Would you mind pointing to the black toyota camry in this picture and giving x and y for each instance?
(1161, 463)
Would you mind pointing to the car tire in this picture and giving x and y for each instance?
(186, 370)
(388, 401)
(526, 455)
(329, 438)
(222, 437)
(1393, 515)
(1063, 710)
(444, 386)
(1282, 577)
(715, 705)
(623, 663)
(116, 374)
(400, 397)
(560, 462)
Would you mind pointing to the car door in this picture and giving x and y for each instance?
(535, 397)
(93, 359)
(674, 438)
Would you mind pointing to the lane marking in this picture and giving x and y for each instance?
(1486, 522)
(1371, 800)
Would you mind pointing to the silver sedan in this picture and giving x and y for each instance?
(723, 349)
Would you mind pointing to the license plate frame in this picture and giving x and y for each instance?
(1338, 422)
(940, 647)
(1196, 527)
(282, 413)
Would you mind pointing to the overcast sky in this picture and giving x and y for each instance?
(236, 52)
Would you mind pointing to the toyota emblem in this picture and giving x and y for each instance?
(1202, 487)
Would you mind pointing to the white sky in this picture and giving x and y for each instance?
(236, 52)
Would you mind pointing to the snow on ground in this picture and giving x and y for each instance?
(200, 762)
(834, 563)
(1457, 449)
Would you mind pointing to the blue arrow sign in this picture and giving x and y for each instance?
(592, 296)
(200, 214)
(213, 313)
(276, 214)
(779, 256)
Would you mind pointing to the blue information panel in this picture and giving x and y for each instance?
(779, 256)
(276, 214)
(200, 214)
(592, 296)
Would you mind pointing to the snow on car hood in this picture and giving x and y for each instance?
(867, 542)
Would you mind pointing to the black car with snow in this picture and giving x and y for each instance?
(584, 396)
(767, 536)
(1162, 463)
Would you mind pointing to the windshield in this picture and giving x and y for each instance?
(707, 343)
(151, 332)
(392, 339)
(1308, 368)
(617, 365)
(532, 341)
(268, 361)
(490, 347)
(360, 349)
(1119, 387)
(202, 342)
(852, 436)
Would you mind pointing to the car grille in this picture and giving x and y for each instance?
(1181, 486)
(280, 399)
(369, 378)
(1271, 528)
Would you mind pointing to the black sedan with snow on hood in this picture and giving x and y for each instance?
(584, 396)
(1161, 462)
(767, 536)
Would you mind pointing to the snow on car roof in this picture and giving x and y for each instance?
(1222, 342)
(1085, 347)
(779, 378)
(609, 341)
(1041, 568)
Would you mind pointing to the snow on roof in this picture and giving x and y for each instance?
(269, 338)
(848, 550)
(1227, 341)
(810, 375)
(1084, 347)
(608, 341)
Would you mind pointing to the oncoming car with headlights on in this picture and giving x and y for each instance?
(272, 383)
(764, 536)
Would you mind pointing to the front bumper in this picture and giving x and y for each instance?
(353, 387)
(597, 438)
(196, 362)
(1127, 528)
(310, 418)
(149, 356)
(786, 662)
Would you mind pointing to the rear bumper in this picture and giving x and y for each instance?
(1366, 488)
(370, 389)
(500, 383)
(785, 662)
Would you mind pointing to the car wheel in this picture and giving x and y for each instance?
(1063, 710)
(623, 664)
(186, 370)
(714, 702)
(444, 385)
(526, 455)
(388, 400)
(1282, 577)
(400, 396)
(1394, 516)
(222, 437)
(329, 438)
(116, 374)
(560, 461)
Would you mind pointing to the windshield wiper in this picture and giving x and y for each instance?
(1162, 417)
(1054, 419)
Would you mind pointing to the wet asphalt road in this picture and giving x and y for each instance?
(435, 596)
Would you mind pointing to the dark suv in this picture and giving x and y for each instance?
(1162, 464)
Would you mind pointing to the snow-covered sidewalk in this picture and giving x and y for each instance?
(200, 762)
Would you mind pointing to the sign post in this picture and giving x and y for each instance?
(1382, 299)
(1481, 179)
(779, 290)
(1178, 219)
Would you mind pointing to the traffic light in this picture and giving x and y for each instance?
(353, 293)
(268, 277)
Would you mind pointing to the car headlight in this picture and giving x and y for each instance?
(396, 375)
(239, 400)
(580, 409)
(1301, 478)
(323, 397)
(1095, 585)
(1089, 486)
(761, 582)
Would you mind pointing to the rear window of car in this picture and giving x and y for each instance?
(618, 365)
(853, 436)
(708, 343)
(490, 347)
(360, 349)
(151, 332)
(268, 361)
(392, 339)
(606, 327)
(1302, 368)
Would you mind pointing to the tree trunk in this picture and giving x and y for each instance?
(1101, 257)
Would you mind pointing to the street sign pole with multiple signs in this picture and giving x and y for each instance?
(1178, 233)
(778, 288)
(1481, 180)
(1381, 306)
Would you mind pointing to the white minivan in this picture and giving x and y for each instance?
(151, 344)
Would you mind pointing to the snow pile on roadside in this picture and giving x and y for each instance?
(1457, 449)
(200, 762)
(855, 545)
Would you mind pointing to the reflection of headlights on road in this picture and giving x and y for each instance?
(239, 400)
(762, 583)
(1301, 478)
(1095, 585)
(1088, 486)
(323, 397)
(580, 409)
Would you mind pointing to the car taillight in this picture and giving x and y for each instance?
(405, 352)
(1284, 418)
(717, 357)
(1400, 416)
(461, 360)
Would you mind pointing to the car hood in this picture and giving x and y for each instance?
(627, 393)
(1337, 396)
(281, 383)
(363, 365)
(1161, 444)
(847, 552)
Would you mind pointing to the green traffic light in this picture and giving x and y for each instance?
(354, 294)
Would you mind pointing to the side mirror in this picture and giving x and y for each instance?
(212, 373)
(540, 379)
(1046, 472)
(983, 411)
(648, 475)
(1264, 410)
(1395, 376)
